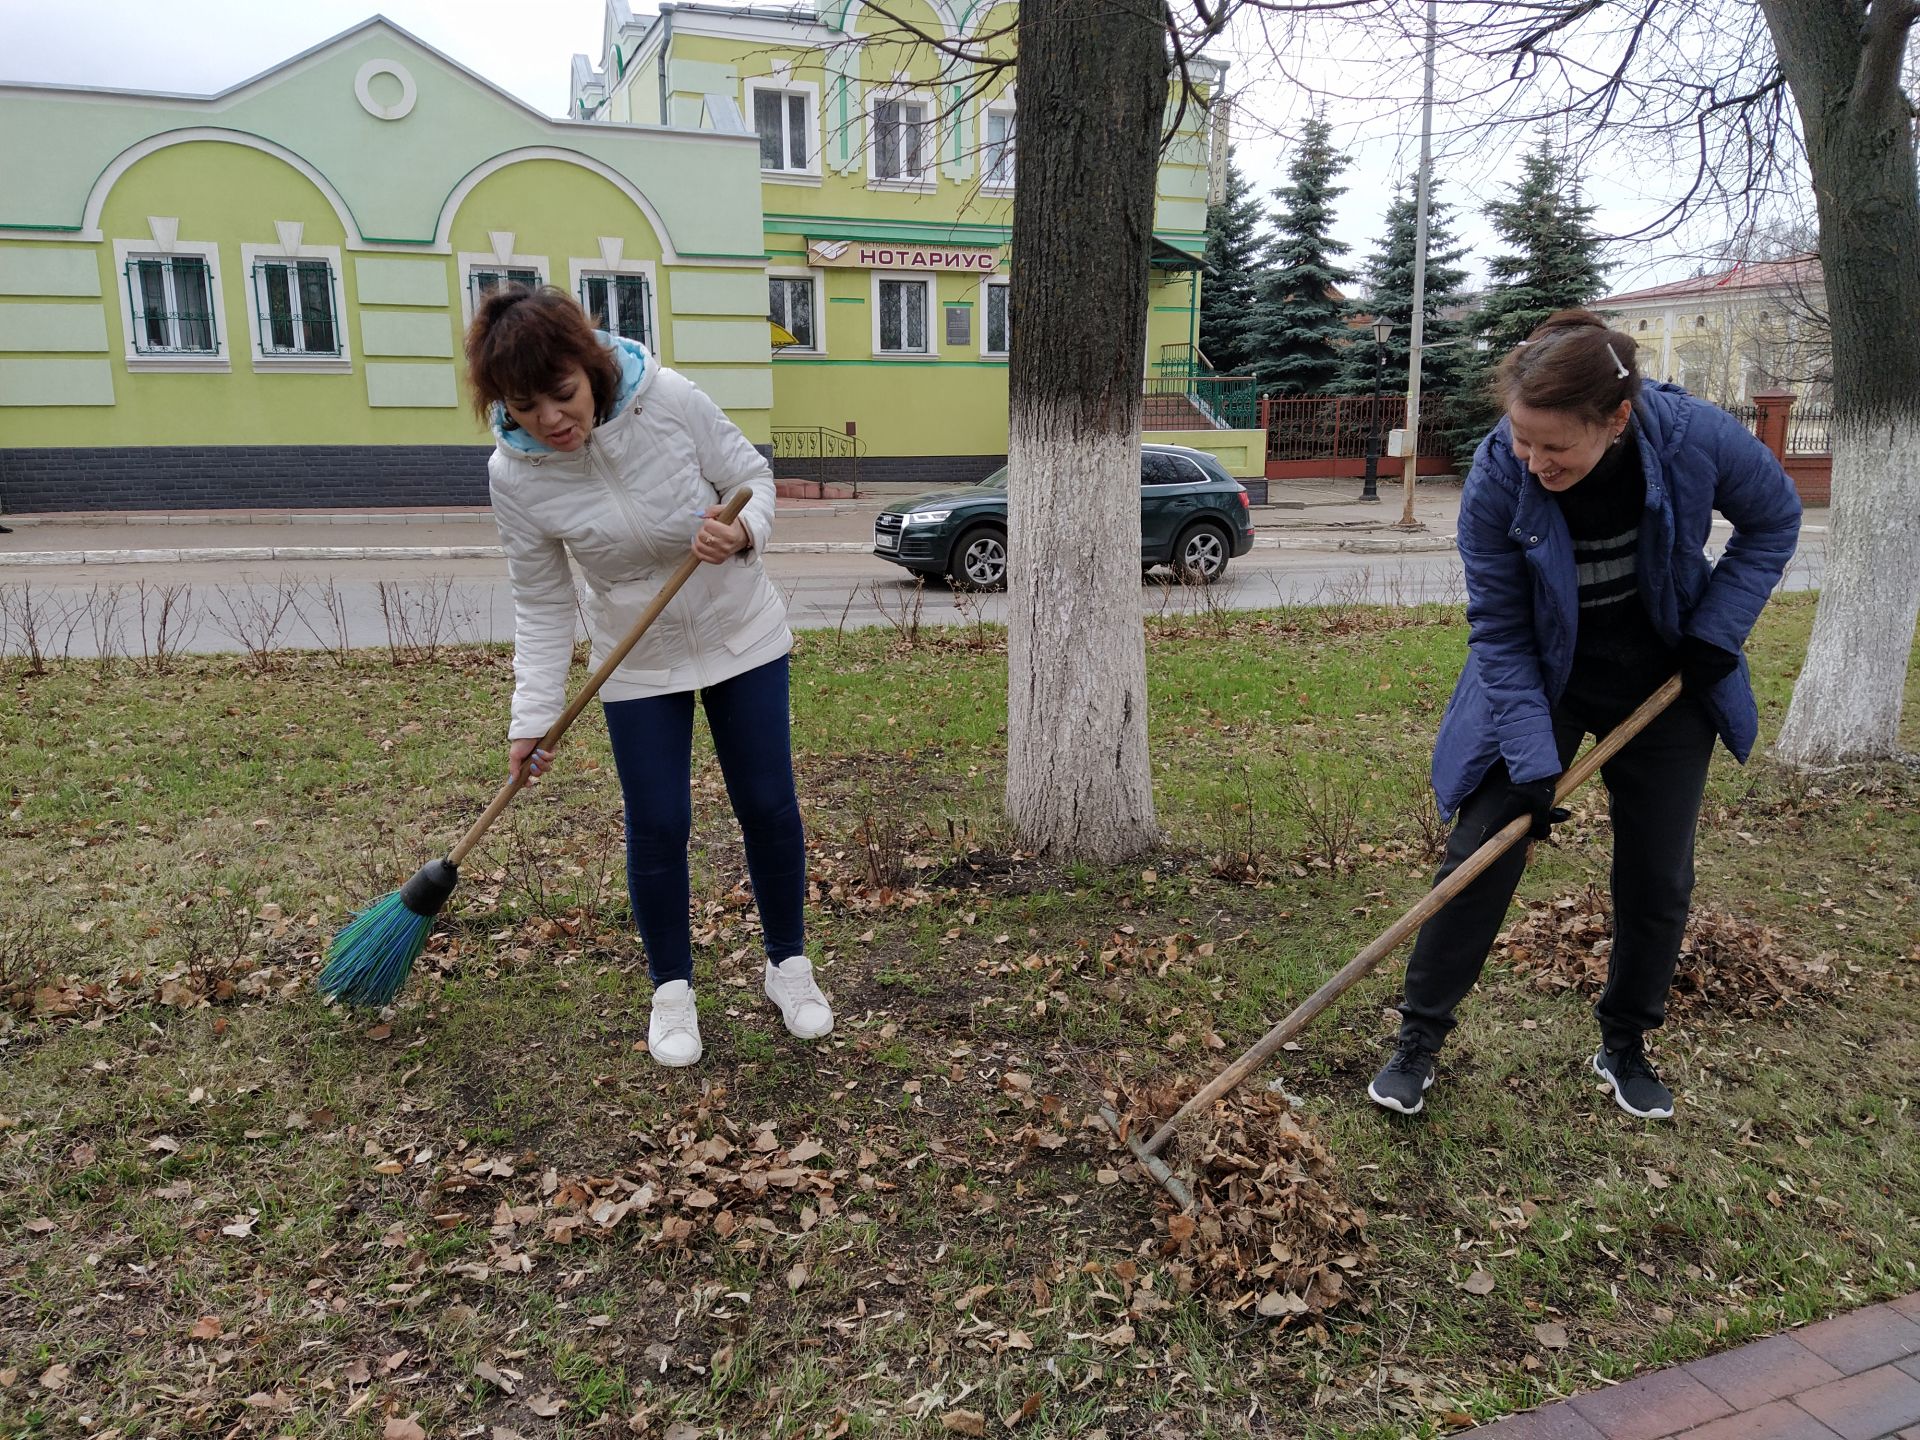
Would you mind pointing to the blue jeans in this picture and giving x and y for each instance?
(653, 751)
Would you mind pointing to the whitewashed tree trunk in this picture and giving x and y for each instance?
(1846, 704)
(1844, 72)
(1093, 89)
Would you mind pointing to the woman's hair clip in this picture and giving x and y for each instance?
(1614, 356)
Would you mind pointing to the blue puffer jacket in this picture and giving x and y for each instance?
(1523, 598)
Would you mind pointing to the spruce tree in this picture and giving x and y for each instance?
(1555, 264)
(1388, 278)
(1227, 290)
(1556, 261)
(1300, 322)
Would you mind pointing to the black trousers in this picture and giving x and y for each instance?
(1654, 787)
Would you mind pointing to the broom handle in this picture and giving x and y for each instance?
(728, 514)
(1496, 845)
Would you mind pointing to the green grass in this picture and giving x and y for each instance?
(186, 1132)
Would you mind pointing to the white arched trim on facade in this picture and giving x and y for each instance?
(134, 154)
(841, 16)
(458, 196)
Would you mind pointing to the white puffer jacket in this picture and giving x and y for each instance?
(624, 507)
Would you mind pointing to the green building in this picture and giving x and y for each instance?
(257, 297)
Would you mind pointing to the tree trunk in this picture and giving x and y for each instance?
(1844, 77)
(1092, 96)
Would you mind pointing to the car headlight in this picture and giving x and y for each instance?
(925, 517)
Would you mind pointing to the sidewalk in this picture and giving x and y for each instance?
(1854, 1377)
(1299, 515)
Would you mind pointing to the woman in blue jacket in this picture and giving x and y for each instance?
(1583, 530)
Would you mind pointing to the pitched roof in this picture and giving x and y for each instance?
(1765, 275)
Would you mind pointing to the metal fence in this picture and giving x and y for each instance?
(1810, 430)
(817, 454)
(1337, 427)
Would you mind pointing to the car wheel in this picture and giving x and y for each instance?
(1201, 553)
(979, 559)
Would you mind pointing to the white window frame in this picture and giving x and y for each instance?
(219, 359)
(580, 267)
(810, 174)
(932, 352)
(1002, 283)
(1002, 106)
(925, 180)
(296, 360)
(798, 272)
(471, 261)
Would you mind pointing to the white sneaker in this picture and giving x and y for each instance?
(673, 1032)
(790, 985)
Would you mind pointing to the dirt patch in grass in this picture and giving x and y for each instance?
(1728, 964)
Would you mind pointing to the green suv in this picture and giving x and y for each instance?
(1194, 517)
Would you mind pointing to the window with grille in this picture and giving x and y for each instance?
(172, 305)
(999, 328)
(903, 316)
(619, 304)
(900, 140)
(482, 281)
(780, 120)
(997, 169)
(790, 306)
(294, 300)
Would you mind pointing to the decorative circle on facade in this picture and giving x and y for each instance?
(363, 90)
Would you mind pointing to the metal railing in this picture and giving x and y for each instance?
(1810, 430)
(815, 453)
(1200, 402)
(1337, 427)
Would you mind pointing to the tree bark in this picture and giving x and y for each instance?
(1092, 98)
(1845, 81)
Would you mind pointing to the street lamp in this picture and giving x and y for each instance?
(1370, 490)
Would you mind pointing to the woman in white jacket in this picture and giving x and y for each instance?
(607, 459)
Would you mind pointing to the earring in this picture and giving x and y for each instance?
(1616, 437)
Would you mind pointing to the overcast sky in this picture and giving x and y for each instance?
(202, 46)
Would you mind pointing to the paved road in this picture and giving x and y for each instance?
(83, 610)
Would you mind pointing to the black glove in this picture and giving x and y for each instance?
(1533, 798)
(1704, 665)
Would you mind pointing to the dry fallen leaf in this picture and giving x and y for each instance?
(681, 1430)
(964, 1422)
(545, 1406)
(1552, 1337)
(493, 1377)
(207, 1327)
(1029, 1408)
(403, 1428)
(54, 1377)
(1119, 1335)
(796, 1277)
(1479, 1283)
(39, 1225)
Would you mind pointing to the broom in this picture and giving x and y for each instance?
(372, 955)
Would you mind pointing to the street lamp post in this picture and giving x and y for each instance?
(1370, 490)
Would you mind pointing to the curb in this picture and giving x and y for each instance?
(241, 553)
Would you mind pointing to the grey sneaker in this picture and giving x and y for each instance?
(1403, 1081)
(1636, 1084)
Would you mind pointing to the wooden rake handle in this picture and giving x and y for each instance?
(729, 513)
(1496, 845)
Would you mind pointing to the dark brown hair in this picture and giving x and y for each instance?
(1570, 362)
(522, 342)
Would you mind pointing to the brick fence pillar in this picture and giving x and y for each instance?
(1775, 406)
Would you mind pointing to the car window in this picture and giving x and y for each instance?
(1160, 468)
(997, 478)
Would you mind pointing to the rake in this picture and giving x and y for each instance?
(1363, 964)
(371, 957)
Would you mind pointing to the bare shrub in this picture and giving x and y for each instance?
(1424, 820)
(1237, 856)
(420, 624)
(883, 846)
(905, 616)
(330, 630)
(103, 614)
(1326, 805)
(252, 617)
(167, 623)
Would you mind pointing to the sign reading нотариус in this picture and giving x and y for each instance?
(887, 255)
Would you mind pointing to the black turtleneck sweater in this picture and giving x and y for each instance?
(1618, 657)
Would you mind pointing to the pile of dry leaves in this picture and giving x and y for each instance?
(1270, 1231)
(1727, 965)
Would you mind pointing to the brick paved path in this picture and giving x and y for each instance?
(1855, 1377)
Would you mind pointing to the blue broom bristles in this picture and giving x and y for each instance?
(374, 952)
